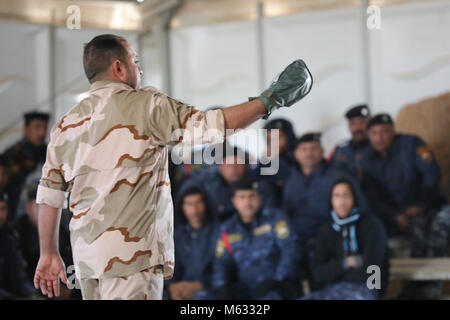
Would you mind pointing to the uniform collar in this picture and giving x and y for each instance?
(359, 145)
(101, 84)
(319, 170)
(256, 219)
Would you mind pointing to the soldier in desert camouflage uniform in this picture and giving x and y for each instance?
(110, 151)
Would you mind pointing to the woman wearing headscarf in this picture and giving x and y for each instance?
(351, 260)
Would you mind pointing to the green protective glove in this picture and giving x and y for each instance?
(294, 83)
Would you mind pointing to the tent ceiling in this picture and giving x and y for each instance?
(131, 15)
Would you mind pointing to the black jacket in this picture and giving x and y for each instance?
(328, 265)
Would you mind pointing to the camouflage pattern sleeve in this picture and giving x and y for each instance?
(172, 121)
(53, 189)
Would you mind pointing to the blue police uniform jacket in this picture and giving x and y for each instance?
(408, 176)
(265, 249)
(278, 180)
(194, 253)
(347, 156)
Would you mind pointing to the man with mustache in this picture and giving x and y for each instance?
(346, 155)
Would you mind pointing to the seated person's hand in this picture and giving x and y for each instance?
(189, 288)
(403, 222)
(413, 211)
(354, 261)
(175, 291)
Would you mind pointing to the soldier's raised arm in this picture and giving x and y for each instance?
(172, 121)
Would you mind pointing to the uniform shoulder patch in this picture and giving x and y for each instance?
(425, 153)
(282, 229)
(220, 248)
(235, 237)
(265, 228)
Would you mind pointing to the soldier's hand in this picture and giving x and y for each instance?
(49, 270)
(294, 83)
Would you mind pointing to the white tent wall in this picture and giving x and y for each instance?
(410, 55)
(18, 90)
(408, 61)
(25, 68)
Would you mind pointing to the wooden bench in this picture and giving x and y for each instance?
(420, 268)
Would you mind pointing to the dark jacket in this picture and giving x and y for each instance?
(258, 257)
(13, 279)
(328, 265)
(194, 248)
(408, 176)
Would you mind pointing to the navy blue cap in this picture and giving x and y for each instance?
(358, 111)
(381, 118)
(247, 183)
(309, 137)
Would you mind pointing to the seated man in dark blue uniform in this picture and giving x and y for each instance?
(347, 155)
(25, 155)
(402, 178)
(216, 181)
(194, 248)
(13, 280)
(256, 255)
(284, 154)
(306, 195)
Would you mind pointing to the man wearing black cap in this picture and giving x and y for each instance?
(285, 154)
(401, 177)
(25, 155)
(194, 247)
(307, 191)
(346, 155)
(256, 253)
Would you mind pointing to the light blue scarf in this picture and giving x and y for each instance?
(343, 225)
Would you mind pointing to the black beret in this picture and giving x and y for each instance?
(309, 137)
(229, 150)
(358, 111)
(380, 118)
(33, 115)
(247, 183)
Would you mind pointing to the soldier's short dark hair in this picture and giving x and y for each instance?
(35, 115)
(100, 52)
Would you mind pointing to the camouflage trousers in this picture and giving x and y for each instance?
(144, 285)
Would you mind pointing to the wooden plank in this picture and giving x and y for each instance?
(420, 268)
